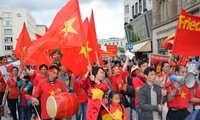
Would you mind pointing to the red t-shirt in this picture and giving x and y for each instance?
(180, 101)
(13, 88)
(80, 91)
(118, 111)
(2, 84)
(137, 82)
(38, 79)
(44, 90)
(197, 95)
(23, 101)
(117, 81)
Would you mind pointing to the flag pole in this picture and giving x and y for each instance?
(37, 112)
(98, 63)
(109, 111)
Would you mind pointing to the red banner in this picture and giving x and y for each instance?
(156, 60)
(187, 41)
(111, 50)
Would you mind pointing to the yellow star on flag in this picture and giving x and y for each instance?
(97, 94)
(24, 50)
(118, 114)
(52, 93)
(68, 27)
(83, 49)
(183, 94)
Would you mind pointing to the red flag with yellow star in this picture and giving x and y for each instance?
(74, 57)
(66, 28)
(23, 42)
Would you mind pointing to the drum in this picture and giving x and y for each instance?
(62, 105)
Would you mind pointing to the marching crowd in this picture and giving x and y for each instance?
(121, 87)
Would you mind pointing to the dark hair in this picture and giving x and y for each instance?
(3, 57)
(141, 62)
(177, 68)
(149, 69)
(111, 94)
(14, 68)
(53, 66)
(163, 64)
(117, 62)
(26, 79)
(95, 70)
(43, 65)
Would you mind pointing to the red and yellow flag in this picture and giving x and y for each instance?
(187, 35)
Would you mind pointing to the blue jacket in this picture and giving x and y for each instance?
(28, 90)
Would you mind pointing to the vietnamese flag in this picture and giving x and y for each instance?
(92, 28)
(168, 43)
(74, 57)
(182, 61)
(187, 41)
(23, 42)
(66, 28)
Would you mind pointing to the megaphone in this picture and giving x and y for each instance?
(189, 79)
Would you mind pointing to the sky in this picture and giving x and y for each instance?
(109, 14)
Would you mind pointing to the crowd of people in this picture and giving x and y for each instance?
(126, 89)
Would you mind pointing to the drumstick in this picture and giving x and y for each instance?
(37, 112)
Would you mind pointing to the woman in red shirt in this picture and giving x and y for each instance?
(12, 92)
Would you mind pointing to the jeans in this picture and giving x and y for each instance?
(81, 111)
(138, 111)
(12, 103)
(25, 112)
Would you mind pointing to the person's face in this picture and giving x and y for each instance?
(14, 71)
(63, 69)
(143, 67)
(115, 99)
(182, 71)
(53, 75)
(116, 70)
(4, 61)
(43, 71)
(100, 75)
(151, 77)
(166, 68)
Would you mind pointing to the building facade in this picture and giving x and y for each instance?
(134, 8)
(119, 42)
(165, 19)
(11, 24)
(138, 25)
(41, 29)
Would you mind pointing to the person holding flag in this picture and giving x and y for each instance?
(96, 89)
(48, 87)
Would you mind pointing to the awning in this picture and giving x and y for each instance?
(142, 47)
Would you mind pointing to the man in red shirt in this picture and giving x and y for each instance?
(138, 82)
(179, 97)
(46, 88)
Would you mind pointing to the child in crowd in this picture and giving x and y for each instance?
(115, 107)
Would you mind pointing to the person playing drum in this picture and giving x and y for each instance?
(48, 87)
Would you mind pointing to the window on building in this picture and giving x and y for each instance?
(117, 43)
(144, 4)
(7, 15)
(8, 39)
(8, 47)
(7, 31)
(161, 50)
(121, 44)
(133, 11)
(136, 8)
(140, 6)
(8, 56)
(126, 9)
(7, 23)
